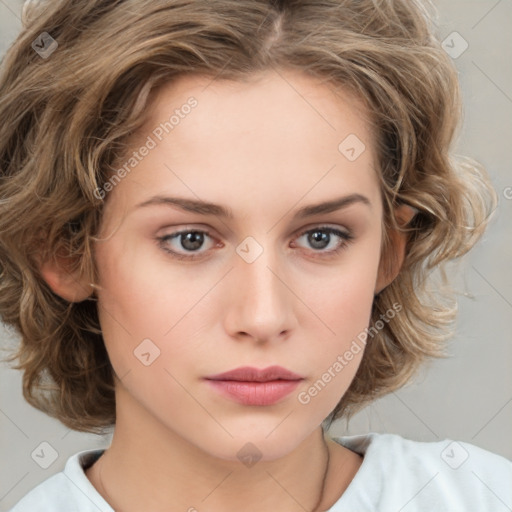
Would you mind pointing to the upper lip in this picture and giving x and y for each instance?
(250, 374)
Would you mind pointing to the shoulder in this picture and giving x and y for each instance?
(443, 475)
(67, 491)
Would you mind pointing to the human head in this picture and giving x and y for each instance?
(68, 118)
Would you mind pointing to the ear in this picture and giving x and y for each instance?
(63, 281)
(391, 263)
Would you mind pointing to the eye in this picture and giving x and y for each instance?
(186, 244)
(189, 241)
(321, 237)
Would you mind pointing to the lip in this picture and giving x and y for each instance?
(250, 386)
(250, 374)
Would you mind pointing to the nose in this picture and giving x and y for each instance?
(260, 305)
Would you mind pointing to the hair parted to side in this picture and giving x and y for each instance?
(66, 120)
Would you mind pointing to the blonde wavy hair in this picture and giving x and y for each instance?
(66, 119)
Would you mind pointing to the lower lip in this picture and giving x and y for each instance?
(255, 393)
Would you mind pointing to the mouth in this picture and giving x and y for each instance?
(250, 374)
(250, 386)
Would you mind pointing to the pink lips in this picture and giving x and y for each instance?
(250, 386)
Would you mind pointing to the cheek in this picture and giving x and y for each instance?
(134, 292)
(132, 302)
(334, 366)
(140, 301)
(343, 302)
(343, 296)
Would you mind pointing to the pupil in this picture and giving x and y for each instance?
(319, 237)
(195, 239)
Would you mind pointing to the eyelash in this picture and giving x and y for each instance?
(345, 236)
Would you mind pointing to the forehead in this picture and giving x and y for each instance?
(294, 96)
(273, 137)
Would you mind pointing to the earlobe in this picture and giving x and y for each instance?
(63, 281)
(391, 264)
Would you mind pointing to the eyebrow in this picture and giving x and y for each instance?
(205, 208)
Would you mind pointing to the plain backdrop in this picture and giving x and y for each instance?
(467, 397)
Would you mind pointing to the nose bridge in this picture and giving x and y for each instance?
(257, 270)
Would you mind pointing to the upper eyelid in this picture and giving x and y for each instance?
(297, 234)
(325, 226)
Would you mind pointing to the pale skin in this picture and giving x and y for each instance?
(264, 151)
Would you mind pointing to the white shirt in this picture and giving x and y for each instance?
(397, 475)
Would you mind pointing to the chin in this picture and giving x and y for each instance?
(265, 442)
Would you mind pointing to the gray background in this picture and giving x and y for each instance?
(467, 397)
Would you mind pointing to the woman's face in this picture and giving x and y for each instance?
(265, 277)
